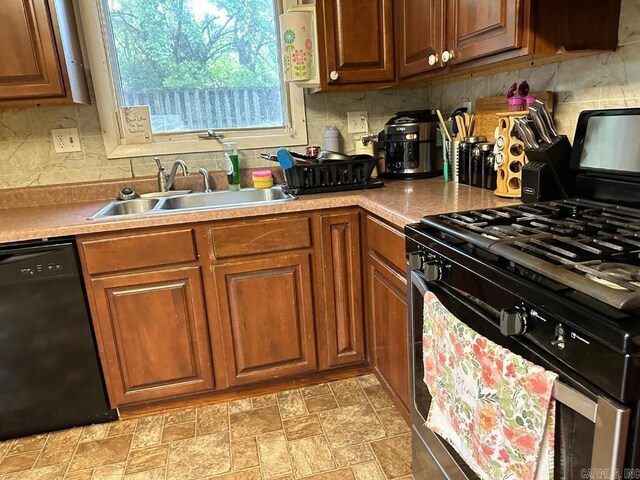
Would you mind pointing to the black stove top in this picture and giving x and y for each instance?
(591, 247)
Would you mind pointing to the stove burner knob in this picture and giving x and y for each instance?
(559, 338)
(513, 321)
(433, 271)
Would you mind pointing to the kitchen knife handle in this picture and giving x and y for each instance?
(547, 117)
(539, 123)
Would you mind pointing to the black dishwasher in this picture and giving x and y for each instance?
(50, 376)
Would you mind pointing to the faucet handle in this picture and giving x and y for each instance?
(159, 163)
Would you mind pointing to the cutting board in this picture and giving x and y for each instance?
(486, 109)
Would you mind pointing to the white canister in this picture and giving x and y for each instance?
(296, 42)
(332, 139)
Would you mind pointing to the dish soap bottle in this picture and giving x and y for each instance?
(231, 165)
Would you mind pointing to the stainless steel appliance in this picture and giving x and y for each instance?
(559, 284)
(410, 146)
(50, 374)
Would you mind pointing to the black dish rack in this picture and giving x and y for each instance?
(332, 176)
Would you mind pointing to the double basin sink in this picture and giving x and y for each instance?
(193, 201)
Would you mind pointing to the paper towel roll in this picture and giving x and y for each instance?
(298, 49)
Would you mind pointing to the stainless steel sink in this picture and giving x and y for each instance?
(248, 196)
(193, 201)
(127, 207)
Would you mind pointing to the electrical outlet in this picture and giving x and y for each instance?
(358, 122)
(66, 140)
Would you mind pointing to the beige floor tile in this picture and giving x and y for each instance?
(368, 380)
(101, 452)
(181, 431)
(274, 457)
(320, 403)
(148, 432)
(301, 427)
(348, 392)
(394, 455)
(342, 474)
(251, 474)
(158, 474)
(315, 390)
(59, 448)
(17, 463)
(310, 456)
(122, 427)
(240, 405)
(109, 472)
(255, 422)
(52, 472)
(147, 459)
(244, 453)
(81, 475)
(353, 454)
(378, 397)
(392, 421)
(351, 425)
(180, 416)
(291, 404)
(213, 454)
(264, 401)
(27, 444)
(95, 432)
(368, 471)
(212, 419)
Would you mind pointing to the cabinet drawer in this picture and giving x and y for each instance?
(387, 242)
(261, 236)
(113, 254)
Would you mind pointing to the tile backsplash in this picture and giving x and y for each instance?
(607, 80)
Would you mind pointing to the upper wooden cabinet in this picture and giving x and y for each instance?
(440, 38)
(419, 30)
(40, 58)
(357, 36)
(477, 28)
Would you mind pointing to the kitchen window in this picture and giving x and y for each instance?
(208, 70)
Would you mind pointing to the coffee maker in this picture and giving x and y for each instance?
(410, 146)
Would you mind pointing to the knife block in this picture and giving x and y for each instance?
(548, 176)
(509, 182)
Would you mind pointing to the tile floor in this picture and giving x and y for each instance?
(344, 430)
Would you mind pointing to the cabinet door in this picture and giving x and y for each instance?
(419, 28)
(154, 332)
(388, 317)
(358, 38)
(266, 312)
(29, 64)
(477, 28)
(342, 339)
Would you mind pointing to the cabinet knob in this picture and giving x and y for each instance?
(446, 56)
(433, 59)
(334, 75)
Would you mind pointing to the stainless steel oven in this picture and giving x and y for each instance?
(592, 429)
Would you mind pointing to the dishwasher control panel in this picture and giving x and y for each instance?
(36, 263)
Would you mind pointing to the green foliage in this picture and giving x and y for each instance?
(170, 44)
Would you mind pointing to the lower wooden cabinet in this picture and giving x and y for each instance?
(387, 310)
(154, 334)
(266, 314)
(341, 326)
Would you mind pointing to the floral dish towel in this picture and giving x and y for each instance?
(492, 406)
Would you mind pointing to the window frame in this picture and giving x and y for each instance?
(104, 84)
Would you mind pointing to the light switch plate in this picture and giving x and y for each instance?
(358, 122)
(66, 140)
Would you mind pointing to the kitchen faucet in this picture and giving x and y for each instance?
(165, 182)
(206, 179)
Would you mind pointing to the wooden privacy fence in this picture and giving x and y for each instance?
(200, 109)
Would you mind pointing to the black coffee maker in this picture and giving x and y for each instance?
(410, 146)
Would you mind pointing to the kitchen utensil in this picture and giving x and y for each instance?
(528, 137)
(445, 130)
(539, 123)
(330, 156)
(285, 159)
(547, 116)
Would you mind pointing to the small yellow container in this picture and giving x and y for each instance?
(262, 179)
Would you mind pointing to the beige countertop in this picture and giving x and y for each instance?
(399, 202)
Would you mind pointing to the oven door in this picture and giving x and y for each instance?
(591, 429)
